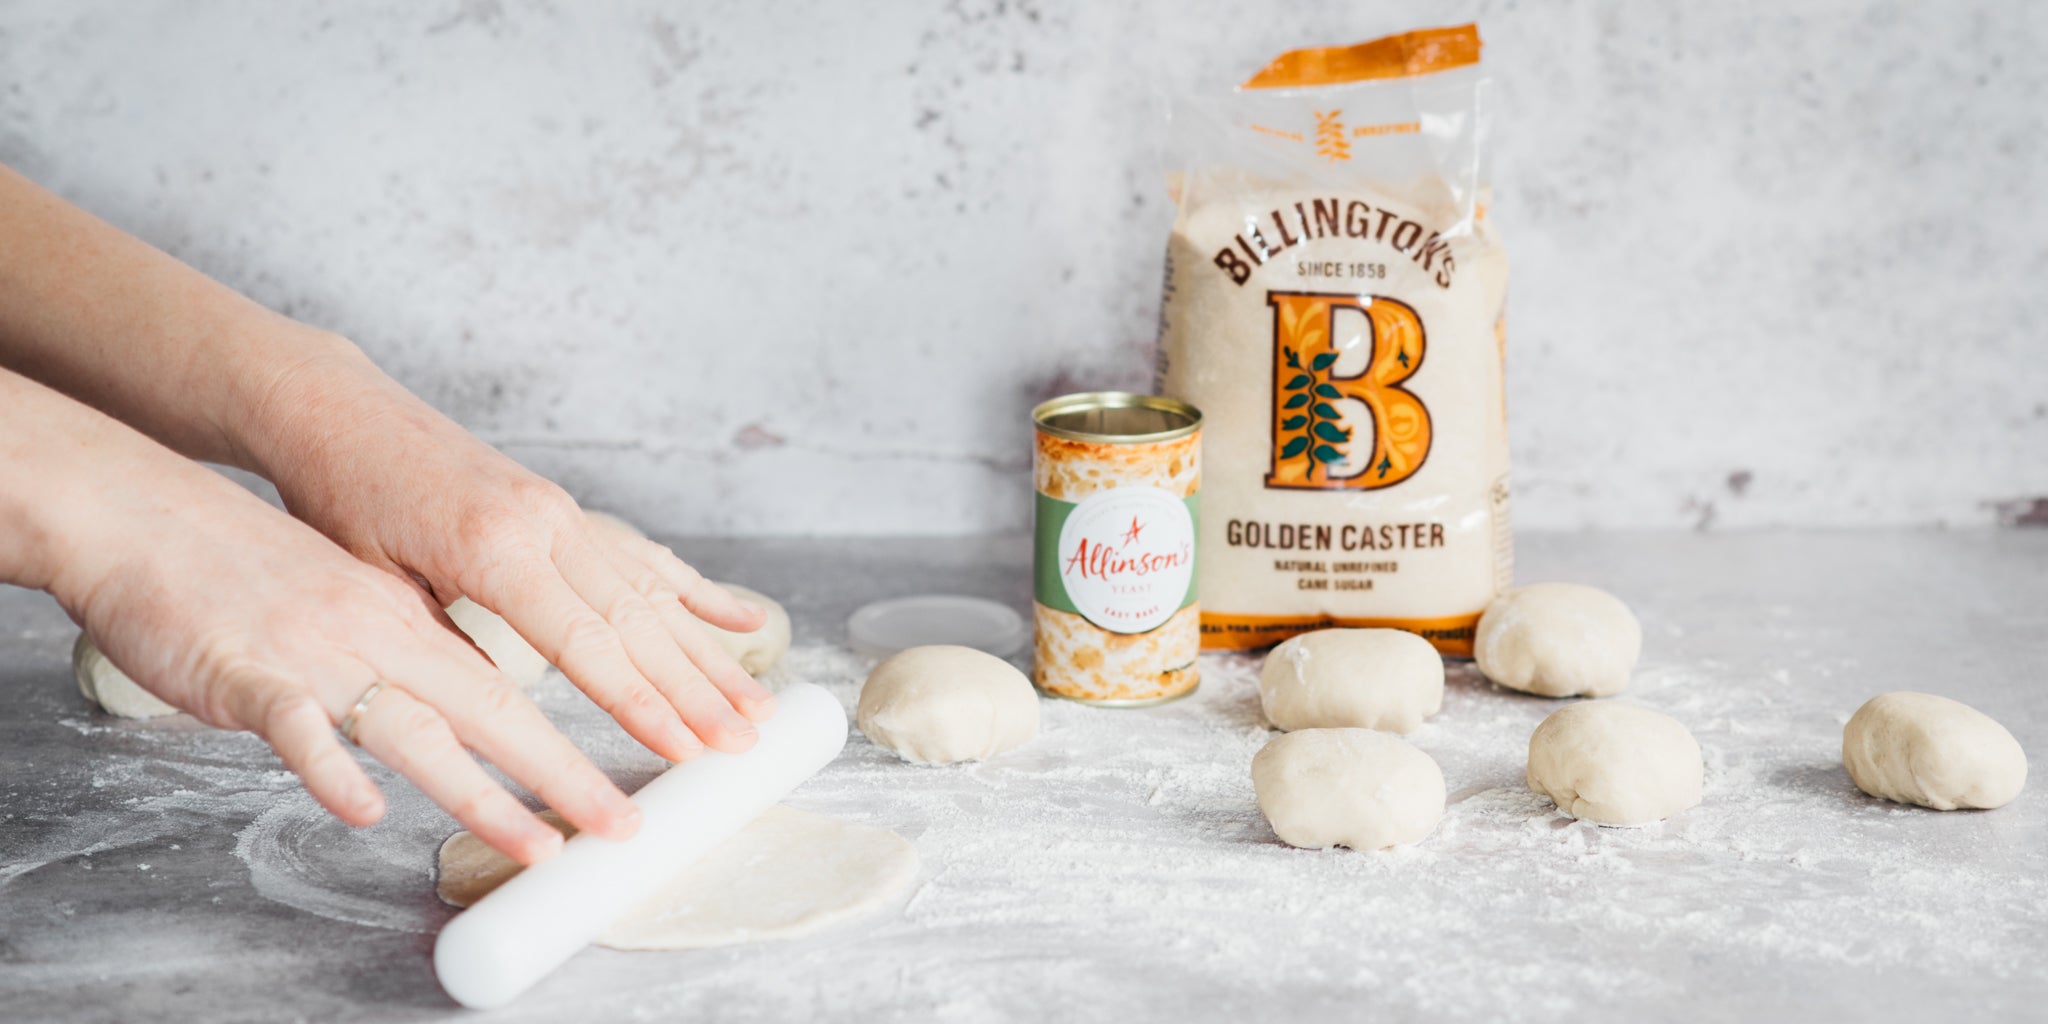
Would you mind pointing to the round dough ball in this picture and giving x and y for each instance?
(1365, 678)
(939, 705)
(109, 687)
(508, 650)
(1917, 748)
(1615, 764)
(1347, 787)
(759, 650)
(1558, 640)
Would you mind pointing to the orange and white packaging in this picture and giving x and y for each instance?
(1334, 304)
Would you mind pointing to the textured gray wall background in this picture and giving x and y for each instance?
(802, 267)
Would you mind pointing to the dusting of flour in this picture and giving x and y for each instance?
(1123, 845)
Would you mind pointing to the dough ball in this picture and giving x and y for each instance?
(786, 874)
(510, 651)
(1917, 748)
(1347, 787)
(939, 705)
(612, 522)
(759, 650)
(109, 687)
(1558, 640)
(1365, 678)
(1615, 764)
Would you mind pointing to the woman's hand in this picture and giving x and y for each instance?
(248, 619)
(407, 490)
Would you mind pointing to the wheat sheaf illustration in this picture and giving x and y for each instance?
(1332, 141)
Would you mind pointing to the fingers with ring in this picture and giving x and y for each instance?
(354, 718)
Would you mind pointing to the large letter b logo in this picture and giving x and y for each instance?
(1340, 416)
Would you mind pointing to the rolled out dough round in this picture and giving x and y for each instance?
(789, 873)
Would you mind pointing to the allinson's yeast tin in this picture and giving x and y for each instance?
(1118, 477)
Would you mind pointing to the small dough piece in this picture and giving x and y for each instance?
(1615, 764)
(942, 704)
(1365, 678)
(508, 650)
(1917, 748)
(1347, 787)
(109, 687)
(758, 651)
(1558, 640)
(789, 873)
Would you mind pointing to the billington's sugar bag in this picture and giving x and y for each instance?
(1333, 305)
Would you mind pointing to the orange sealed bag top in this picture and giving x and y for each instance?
(1334, 305)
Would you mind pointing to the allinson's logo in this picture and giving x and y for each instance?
(1127, 558)
(1324, 398)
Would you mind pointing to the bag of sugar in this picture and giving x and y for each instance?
(1334, 305)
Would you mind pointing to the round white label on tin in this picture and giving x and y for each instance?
(1127, 556)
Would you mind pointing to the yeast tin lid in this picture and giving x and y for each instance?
(1115, 417)
(885, 627)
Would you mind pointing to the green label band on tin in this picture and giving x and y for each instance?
(1123, 558)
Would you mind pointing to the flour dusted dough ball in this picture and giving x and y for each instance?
(1347, 787)
(1615, 764)
(1917, 748)
(109, 687)
(1368, 678)
(1558, 640)
(938, 705)
(759, 650)
(508, 650)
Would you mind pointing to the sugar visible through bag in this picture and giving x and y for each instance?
(1334, 305)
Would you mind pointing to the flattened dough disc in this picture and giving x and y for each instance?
(787, 874)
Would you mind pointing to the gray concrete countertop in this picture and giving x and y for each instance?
(1117, 867)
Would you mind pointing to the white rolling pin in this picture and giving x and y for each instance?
(530, 925)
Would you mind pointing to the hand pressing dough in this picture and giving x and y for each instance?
(612, 522)
(759, 650)
(789, 873)
(1558, 640)
(755, 651)
(1347, 787)
(939, 705)
(1615, 764)
(1365, 678)
(1917, 748)
(109, 687)
(508, 650)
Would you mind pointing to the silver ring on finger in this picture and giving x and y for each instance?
(354, 718)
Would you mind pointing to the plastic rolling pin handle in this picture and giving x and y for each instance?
(529, 926)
